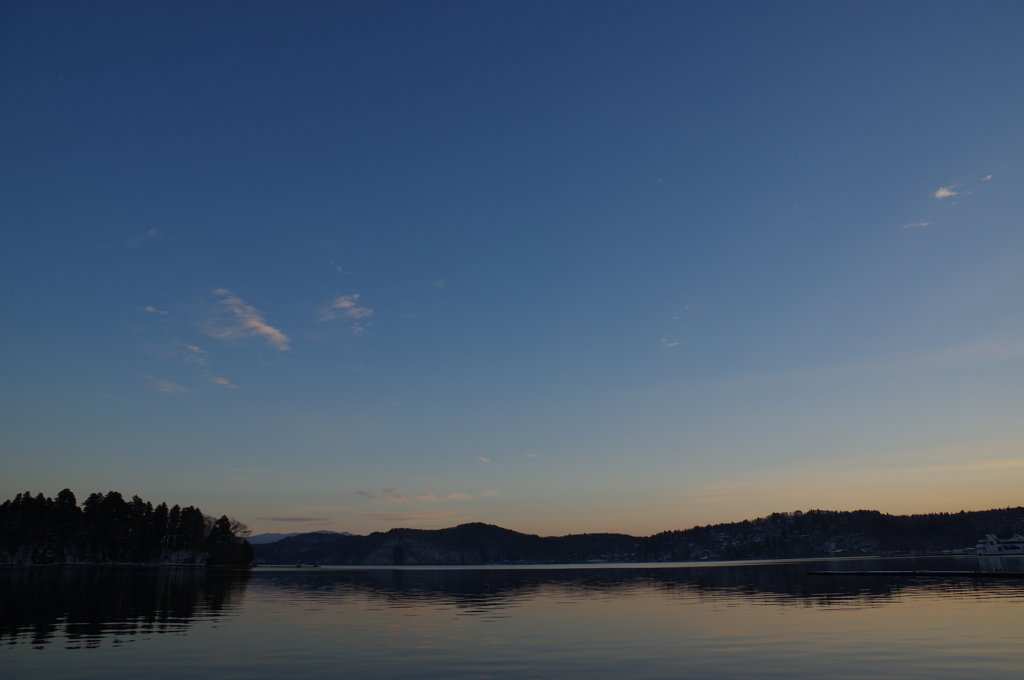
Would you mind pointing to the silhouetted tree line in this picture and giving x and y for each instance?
(109, 529)
(820, 533)
(815, 533)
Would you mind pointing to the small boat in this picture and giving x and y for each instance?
(990, 545)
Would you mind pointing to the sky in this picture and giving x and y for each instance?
(562, 267)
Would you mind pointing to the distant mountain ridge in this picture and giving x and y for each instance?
(260, 539)
(815, 533)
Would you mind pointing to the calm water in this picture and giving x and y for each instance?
(733, 620)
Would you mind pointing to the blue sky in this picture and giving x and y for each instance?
(561, 267)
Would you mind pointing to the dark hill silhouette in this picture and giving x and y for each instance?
(109, 529)
(815, 533)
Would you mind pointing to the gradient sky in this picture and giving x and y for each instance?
(558, 266)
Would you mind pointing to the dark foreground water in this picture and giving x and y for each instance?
(731, 620)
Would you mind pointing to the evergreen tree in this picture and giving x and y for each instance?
(107, 528)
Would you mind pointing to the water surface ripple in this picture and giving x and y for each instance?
(724, 620)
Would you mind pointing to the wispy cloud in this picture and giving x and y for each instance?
(530, 455)
(304, 520)
(946, 192)
(260, 472)
(239, 320)
(136, 241)
(396, 495)
(666, 343)
(221, 381)
(440, 283)
(985, 179)
(154, 310)
(889, 480)
(417, 517)
(165, 387)
(194, 355)
(976, 465)
(979, 351)
(344, 305)
(486, 460)
(984, 351)
(367, 494)
(434, 498)
(493, 493)
(916, 224)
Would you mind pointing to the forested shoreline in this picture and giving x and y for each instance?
(781, 535)
(107, 529)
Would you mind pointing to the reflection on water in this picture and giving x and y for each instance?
(85, 606)
(734, 620)
(1004, 563)
(785, 583)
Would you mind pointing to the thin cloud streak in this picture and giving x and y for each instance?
(396, 495)
(245, 321)
(979, 351)
(345, 305)
(807, 484)
(136, 241)
(304, 520)
(946, 358)
(436, 516)
(195, 355)
(430, 497)
(974, 465)
(165, 387)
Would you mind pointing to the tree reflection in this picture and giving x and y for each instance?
(784, 583)
(85, 605)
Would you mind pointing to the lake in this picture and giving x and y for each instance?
(706, 620)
